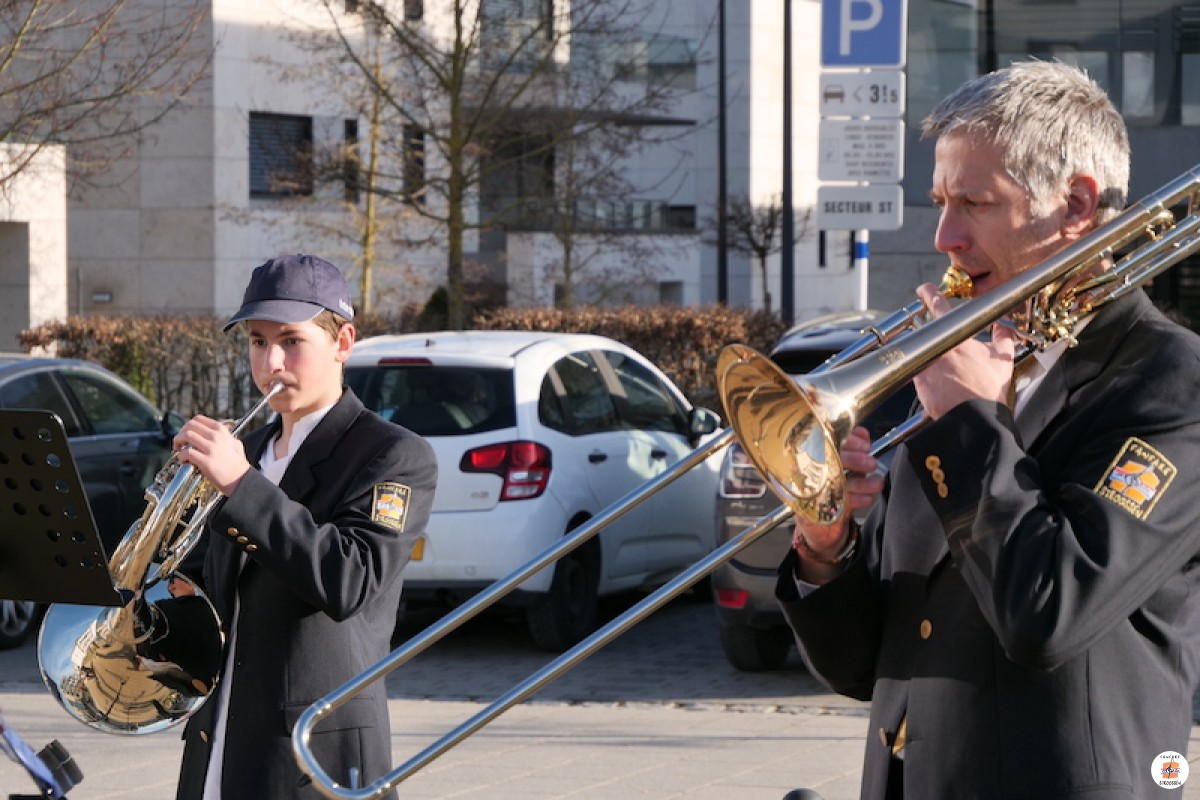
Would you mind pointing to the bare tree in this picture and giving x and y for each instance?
(607, 232)
(93, 74)
(756, 231)
(468, 112)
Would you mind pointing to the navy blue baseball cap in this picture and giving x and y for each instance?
(294, 288)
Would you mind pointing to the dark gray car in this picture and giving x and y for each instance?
(753, 632)
(117, 439)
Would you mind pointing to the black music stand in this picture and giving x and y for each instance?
(50, 551)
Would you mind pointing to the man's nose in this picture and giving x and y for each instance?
(951, 235)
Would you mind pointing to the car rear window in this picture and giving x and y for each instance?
(436, 400)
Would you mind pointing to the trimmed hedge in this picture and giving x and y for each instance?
(188, 365)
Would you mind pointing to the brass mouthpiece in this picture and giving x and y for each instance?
(956, 284)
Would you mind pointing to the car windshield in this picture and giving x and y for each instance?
(437, 400)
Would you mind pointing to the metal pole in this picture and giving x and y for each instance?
(722, 189)
(787, 255)
(862, 260)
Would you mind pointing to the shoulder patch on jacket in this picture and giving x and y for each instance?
(391, 504)
(1137, 478)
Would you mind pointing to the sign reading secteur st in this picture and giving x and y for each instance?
(863, 33)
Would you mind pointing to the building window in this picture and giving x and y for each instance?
(280, 155)
(681, 218)
(1190, 102)
(350, 162)
(670, 293)
(414, 163)
(414, 10)
(1137, 84)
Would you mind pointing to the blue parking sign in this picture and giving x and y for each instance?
(863, 33)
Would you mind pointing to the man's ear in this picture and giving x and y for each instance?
(1083, 200)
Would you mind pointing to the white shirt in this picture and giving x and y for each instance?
(1042, 360)
(272, 469)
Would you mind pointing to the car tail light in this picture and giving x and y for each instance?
(739, 477)
(524, 466)
(732, 598)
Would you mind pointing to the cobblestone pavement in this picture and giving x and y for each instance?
(658, 713)
(673, 657)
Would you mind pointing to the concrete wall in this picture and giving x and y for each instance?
(33, 240)
(142, 230)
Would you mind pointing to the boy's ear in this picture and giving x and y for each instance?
(345, 341)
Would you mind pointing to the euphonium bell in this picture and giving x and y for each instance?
(152, 662)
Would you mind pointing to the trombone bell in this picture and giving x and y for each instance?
(792, 433)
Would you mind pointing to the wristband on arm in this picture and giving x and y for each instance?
(843, 556)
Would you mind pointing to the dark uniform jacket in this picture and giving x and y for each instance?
(318, 600)
(1027, 594)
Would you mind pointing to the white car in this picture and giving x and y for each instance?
(535, 433)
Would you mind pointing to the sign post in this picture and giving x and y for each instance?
(862, 97)
(863, 33)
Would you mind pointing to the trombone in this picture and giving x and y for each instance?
(793, 429)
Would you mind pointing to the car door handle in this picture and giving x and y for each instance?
(128, 469)
(658, 454)
(597, 458)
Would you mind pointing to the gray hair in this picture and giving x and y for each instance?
(1052, 121)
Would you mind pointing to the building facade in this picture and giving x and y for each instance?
(215, 188)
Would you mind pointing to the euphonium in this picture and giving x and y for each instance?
(152, 662)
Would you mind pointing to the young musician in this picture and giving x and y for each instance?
(304, 555)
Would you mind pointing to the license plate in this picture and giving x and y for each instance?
(418, 549)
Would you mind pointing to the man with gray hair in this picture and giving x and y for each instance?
(1022, 603)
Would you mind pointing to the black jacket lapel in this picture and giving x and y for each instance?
(301, 477)
(1079, 365)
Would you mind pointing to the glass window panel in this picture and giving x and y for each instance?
(589, 404)
(1190, 112)
(39, 391)
(647, 403)
(280, 155)
(438, 401)
(1137, 85)
(110, 408)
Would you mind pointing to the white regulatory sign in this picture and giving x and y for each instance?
(876, 207)
(862, 150)
(875, 93)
